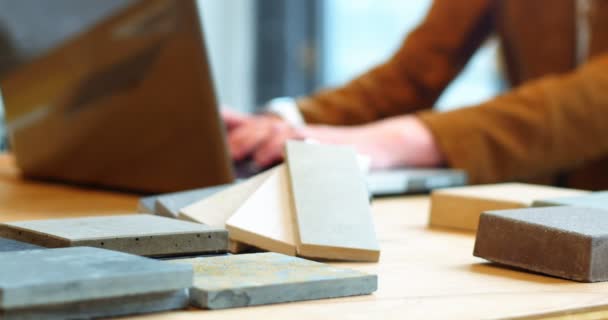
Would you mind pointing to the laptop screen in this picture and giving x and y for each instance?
(111, 93)
(30, 28)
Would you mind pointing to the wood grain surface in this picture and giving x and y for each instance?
(423, 273)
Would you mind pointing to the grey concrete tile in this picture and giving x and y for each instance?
(140, 234)
(12, 245)
(597, 200)
(103, 308)
(146, 204)
(49, 277)
(267, 278)
(566, 242)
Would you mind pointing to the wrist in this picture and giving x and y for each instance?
(428, 152)
(418, 146)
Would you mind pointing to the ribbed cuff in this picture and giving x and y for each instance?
(286, 108)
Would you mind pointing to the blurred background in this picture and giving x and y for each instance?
(265, 49)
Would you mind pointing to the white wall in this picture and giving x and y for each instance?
(229, 30)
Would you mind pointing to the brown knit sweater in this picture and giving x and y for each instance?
(553, 124)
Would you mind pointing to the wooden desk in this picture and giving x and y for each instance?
(424, 274)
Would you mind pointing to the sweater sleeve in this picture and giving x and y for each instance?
(414, 77)
(547, 126)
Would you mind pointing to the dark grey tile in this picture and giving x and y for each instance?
(566, 242)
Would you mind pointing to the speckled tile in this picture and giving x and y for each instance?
(140, 234)
(266, 278)
(566, 242)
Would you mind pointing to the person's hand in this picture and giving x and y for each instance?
(394, 142)
(261, 137)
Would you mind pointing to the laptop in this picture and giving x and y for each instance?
(125, 101)
(413, 181)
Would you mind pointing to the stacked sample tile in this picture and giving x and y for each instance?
(194, 206)
(83, 283)
(265, 218)
(214, 211)
(315, 205)
(169, 204)
(332, 210)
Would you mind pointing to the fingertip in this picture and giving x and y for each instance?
(265, 158)
(232, 118)
(268, 154)
(236, 151)
(233, 148)
(260, 159)
(245, 140)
